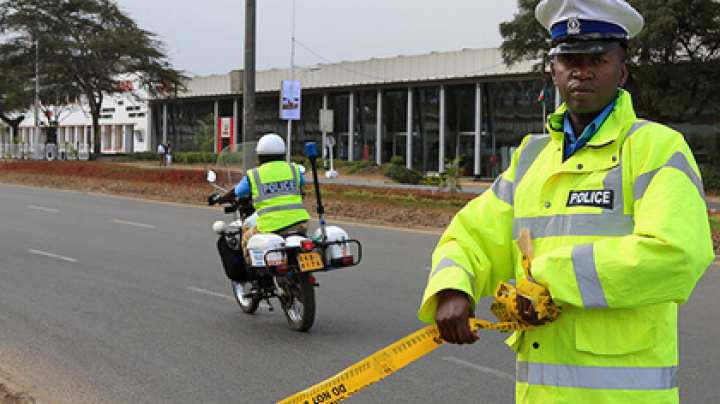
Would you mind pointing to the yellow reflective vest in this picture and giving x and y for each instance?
(621, 236)
(276, 195)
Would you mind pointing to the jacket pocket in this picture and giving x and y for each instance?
(613, 336)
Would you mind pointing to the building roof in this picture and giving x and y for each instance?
(462, 64)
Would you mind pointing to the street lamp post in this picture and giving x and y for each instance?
(293, 88)
(292, 77)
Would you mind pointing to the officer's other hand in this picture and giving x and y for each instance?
(527, 311)
(452, 317)
(213, 199)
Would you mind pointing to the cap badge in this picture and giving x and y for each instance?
(573, 26)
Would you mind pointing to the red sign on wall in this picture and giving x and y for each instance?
(225, 133)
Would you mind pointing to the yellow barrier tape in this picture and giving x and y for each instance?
(384, 363)
(419, 343)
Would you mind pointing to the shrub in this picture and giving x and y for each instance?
(195, 157)
(450, 179)
(398, 160)
(360, 165)
(711, 174)
(433, 180)
(396, 171)
(144, 156)
(402, 174)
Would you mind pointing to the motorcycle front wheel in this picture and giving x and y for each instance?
(298, 301)
(247, 304)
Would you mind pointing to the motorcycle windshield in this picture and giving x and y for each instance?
(234, 161)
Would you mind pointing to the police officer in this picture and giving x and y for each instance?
(619, 227)
(276, 189)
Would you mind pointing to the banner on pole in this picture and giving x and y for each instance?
(290, 100)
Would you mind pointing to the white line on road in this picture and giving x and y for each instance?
(47, 254)
(43, 208)
(481, 368)
(145, 225)
(209, 292)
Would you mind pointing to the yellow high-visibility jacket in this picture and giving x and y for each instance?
(276, 195)
(620, 235)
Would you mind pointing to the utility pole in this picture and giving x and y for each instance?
(36, 135)
(248, 131)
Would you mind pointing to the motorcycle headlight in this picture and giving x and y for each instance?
(219, 227)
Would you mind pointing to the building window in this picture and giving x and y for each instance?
(394, 120)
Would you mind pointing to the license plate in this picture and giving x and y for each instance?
(310, 261)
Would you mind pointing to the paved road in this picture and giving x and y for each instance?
(109, 300)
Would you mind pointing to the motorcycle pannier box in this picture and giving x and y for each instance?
(259, 245)
(233, 262)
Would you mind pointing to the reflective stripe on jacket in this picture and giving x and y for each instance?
(276, 195)
(621, 236)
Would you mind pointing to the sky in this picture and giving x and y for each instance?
(206, 37)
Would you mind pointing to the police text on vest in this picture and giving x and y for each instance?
(599, 198)
(280, 186)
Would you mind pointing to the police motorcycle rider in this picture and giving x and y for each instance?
(276, 190)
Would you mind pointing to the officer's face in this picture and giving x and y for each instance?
(588, 82)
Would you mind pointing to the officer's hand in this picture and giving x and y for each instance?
(213, 199)
(452, 317)
(527, 312)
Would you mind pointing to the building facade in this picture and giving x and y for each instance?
(124, 124)
(427, 109)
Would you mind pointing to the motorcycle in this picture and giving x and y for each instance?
(279, 265)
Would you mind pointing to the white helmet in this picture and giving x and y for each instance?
(270, 144)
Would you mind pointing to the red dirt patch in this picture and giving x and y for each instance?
(188, 186)
(107, 171)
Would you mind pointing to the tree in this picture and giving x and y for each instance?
(204, 136)
(523, 37)
(90, 43)
(16, 95)
(14, 99)
(675, 60)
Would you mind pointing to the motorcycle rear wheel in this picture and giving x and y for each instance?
(298, 301)
(247, 304)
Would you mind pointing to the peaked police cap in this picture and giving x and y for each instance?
(588, 26)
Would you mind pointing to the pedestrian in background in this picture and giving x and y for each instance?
(161, 154)
(168, 154)
(619, 226)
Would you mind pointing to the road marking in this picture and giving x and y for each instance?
(145, 225)
(47, 254)
(43, 208)
(209, 292)
(481, 368)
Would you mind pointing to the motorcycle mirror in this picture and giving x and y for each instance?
(211, 176)
(302, 169)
